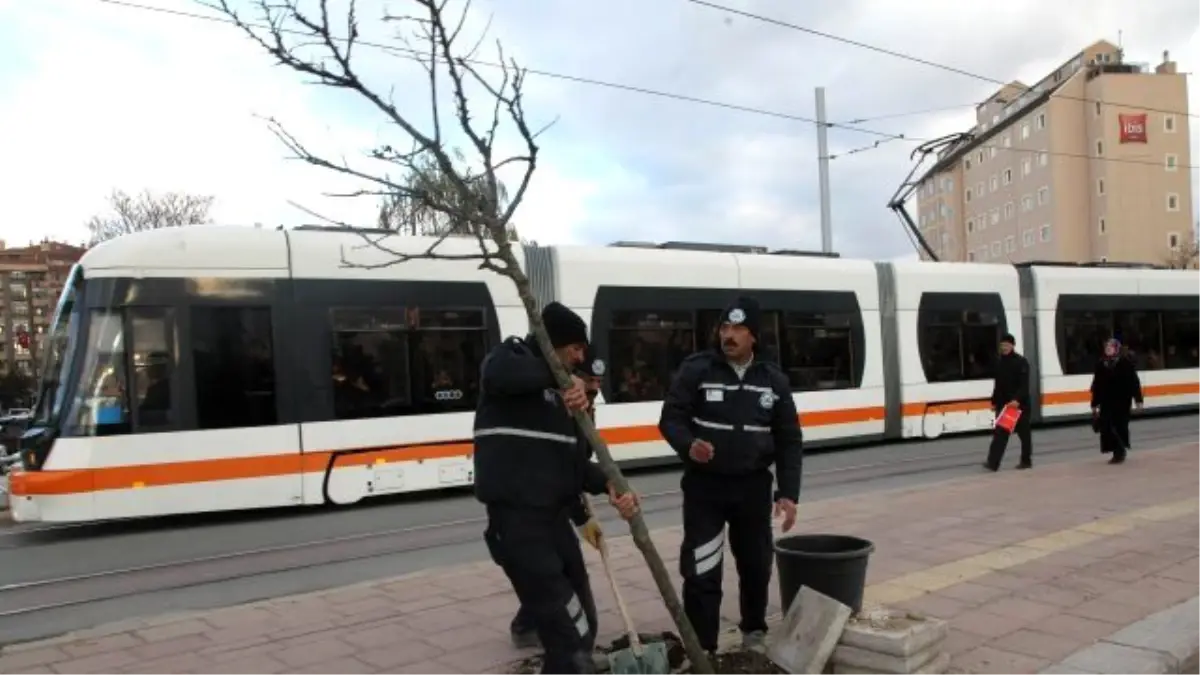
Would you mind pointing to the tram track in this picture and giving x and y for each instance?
(20, 600)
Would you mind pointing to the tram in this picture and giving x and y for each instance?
(218, 368)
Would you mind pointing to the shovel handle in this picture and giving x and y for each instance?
(634, 643)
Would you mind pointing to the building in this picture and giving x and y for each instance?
(31, 279)
(1088, 165)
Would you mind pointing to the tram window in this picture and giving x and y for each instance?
(1181, 335)
(1141, 338)
(1081, 342)
(390, 362)
(153, 360)
(235, 367)
(646, 348)
(958, 345)
(818, 352)
(101, 404)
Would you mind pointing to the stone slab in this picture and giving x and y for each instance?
(937, 665)
(893, 632)
(809, 632)
(876, 662)
(1174, 633)
(1105, 658)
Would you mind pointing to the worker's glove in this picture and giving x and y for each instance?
(590, 532)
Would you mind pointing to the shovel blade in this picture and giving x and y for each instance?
(653, 660)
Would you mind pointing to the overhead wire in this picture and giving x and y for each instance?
(420, 56)
(914, 59)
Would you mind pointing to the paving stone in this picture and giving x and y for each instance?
(1104, 657)
(102, 645)
(1172, 632)
(1021, 609)
(1104, 609)
(894, 633)
(341, 666)
(172, 630)
(982, 622)
(97, 663)
(313, 651)
(18, 661)
(1081, 629)
(809, 633)
(184, 644)
(484, 657)
(1035, 643)
(991, 660)
(399, 654)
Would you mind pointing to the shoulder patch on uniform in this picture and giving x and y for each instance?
(766, 401)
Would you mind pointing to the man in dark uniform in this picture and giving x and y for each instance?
(730, 416)
(1011, 390)
(523, 629)
(531, 464)
(1116, 388)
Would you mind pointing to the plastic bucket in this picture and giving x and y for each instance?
(832, 564)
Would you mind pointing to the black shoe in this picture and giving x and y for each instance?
(989, 467)
(1117, 460)
(1025, 465)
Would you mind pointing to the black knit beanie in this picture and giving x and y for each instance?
(1008, 337)
(563, 326)
(746, 312)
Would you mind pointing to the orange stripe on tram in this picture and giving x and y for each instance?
(75, 481)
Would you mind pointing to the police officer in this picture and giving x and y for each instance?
(530, 468)
(523, 630)
(730, 415)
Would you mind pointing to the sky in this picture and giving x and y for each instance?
(97, 96)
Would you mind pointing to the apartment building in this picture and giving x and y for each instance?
(31, 279)
(1088, 165)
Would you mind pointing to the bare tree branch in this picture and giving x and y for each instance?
(441, 192)
(148, 211)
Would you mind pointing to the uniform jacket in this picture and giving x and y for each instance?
(751, 422)
(528, 450)
(1012, 382)
(1115, 386)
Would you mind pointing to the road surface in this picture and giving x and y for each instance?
(57, 578)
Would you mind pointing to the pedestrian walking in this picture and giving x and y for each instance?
(530, 467)
(1116, 388)
(730, 416)
(523, 630)
(1011, 390)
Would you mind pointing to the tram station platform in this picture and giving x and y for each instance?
(1030, 568)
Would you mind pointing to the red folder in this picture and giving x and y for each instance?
(1007, 420)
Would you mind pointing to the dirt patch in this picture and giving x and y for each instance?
(728, 662)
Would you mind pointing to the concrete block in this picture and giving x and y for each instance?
(1174, 632)
(867, 661)
(939, 664)
(1105, 658)
(809, 632)
(894, 632)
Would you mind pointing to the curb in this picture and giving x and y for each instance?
(1166, 642)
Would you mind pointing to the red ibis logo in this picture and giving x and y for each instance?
(1133, 128)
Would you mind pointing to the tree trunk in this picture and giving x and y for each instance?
(637, 524)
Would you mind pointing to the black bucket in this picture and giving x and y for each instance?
(832, 564)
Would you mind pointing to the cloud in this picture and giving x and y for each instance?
(107, 96)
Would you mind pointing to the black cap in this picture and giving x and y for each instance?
(564, 326)
(746, 312)
(1008, 337)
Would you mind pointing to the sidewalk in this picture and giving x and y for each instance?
(1029, 567)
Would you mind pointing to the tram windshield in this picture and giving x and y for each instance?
(57, 354)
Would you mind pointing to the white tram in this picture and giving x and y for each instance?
(222, 368)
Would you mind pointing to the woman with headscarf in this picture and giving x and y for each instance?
(1115, 389)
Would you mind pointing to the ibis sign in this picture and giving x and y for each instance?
(1133, 128)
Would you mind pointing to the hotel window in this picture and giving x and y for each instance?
(1169, 124)
(1172, 202)
(1043, 197)
(1099, 148)
(1103, 226)
(1045, 233)
(1172, 162)
(1100, 186)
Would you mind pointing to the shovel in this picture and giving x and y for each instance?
(639, 657)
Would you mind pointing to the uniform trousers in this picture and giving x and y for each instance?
(710, 502)
(542, 558)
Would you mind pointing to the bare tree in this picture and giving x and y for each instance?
(1186, 255)
(408, 215)
(148, 211)
(441, 183)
